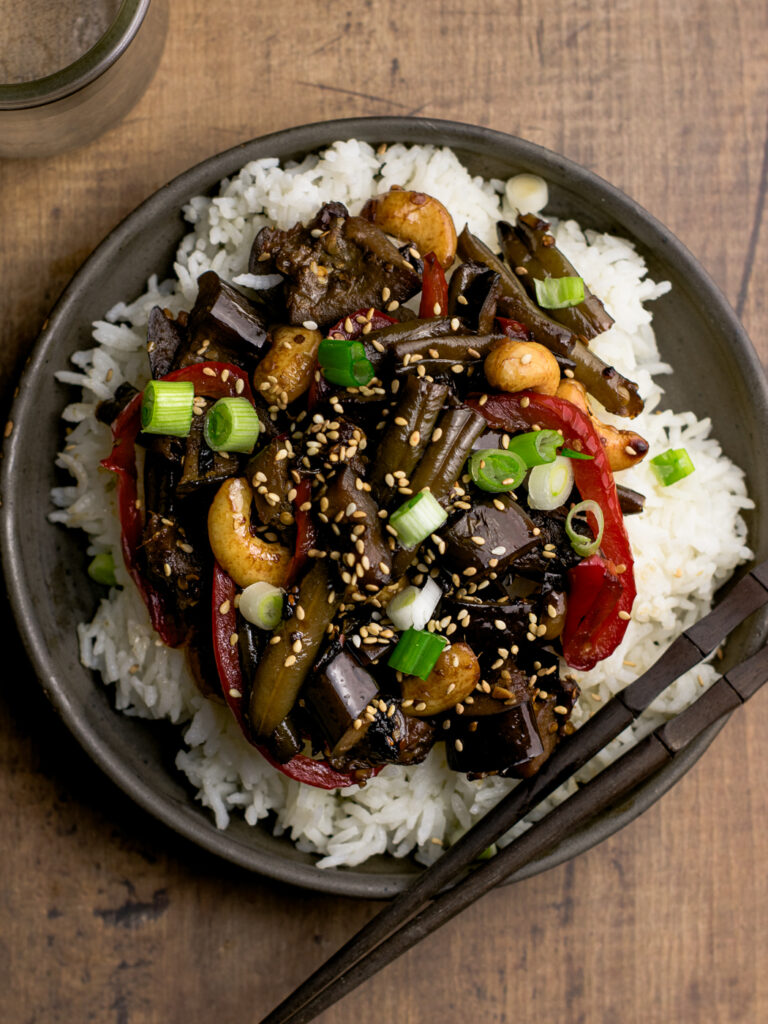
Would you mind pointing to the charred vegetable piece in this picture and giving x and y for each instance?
(631, 502)
(609, 387)
(285, 743)
(164, 337)
(202, 466)
(507, 687)
(161, 475)
(514, 301)
(271, 484)
(408, 434)
(494, 743)
(170, 561)
(455, 347)
(441, 464)
(224, 627)
(453, 678)
(489, 625)
(122, 462)
(416, 330)
(473, 294)
(487, 537)
(337, 695)
(530, 247)
(286, 664)
(108, 410)
(553, 606)
(552, 718)
(583, 647)
(353, 507)
(221, 314)
(392, 737)
(347, 267)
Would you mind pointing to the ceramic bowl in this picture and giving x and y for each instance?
(719, 375)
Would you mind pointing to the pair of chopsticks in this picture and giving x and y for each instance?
(424, 907)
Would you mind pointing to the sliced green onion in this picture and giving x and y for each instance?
(559, 292)
(344, 362)
(231, 425)
(569, 453)
(262, 605)
(413, 607)
(417, 518)
(583, 545)
(166, 407)
(417, 652)
(496, 470)
(537, 447)
(488, 852)
(550, 485)
(102, 569)
(672, 466)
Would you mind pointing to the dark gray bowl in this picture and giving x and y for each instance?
(44, 565)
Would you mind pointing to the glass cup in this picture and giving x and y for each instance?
(70, 70)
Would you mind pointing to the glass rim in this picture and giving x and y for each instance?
(81, 72)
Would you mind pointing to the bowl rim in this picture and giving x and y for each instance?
(201, 179)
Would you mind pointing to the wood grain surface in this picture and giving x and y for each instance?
(105, 915)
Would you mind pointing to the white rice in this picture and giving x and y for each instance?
(687, 542)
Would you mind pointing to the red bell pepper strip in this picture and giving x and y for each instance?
(214, 380)
(597, 615)
(513, 329)
(306, 529)
(224, 628)
(434, 288)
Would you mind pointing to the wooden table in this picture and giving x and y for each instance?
(104, 914)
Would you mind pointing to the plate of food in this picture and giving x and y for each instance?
(356, 469)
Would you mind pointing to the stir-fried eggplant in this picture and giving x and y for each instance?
(489, 536)
(164, 337)
(333, 266)
(495, 744)
(202, 467)
(337, 694)
(399, 598)
(223, 316)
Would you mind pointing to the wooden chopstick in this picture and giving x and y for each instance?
(697, 642)
(611, 785)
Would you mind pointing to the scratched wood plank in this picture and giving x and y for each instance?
(107, 916)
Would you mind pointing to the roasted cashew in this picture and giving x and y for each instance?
(415, 217)
(522, 366)
(453, 678)
(285, 372)
(245, 557)
(624, 448)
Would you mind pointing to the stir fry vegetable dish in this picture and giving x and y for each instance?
(372, 526)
